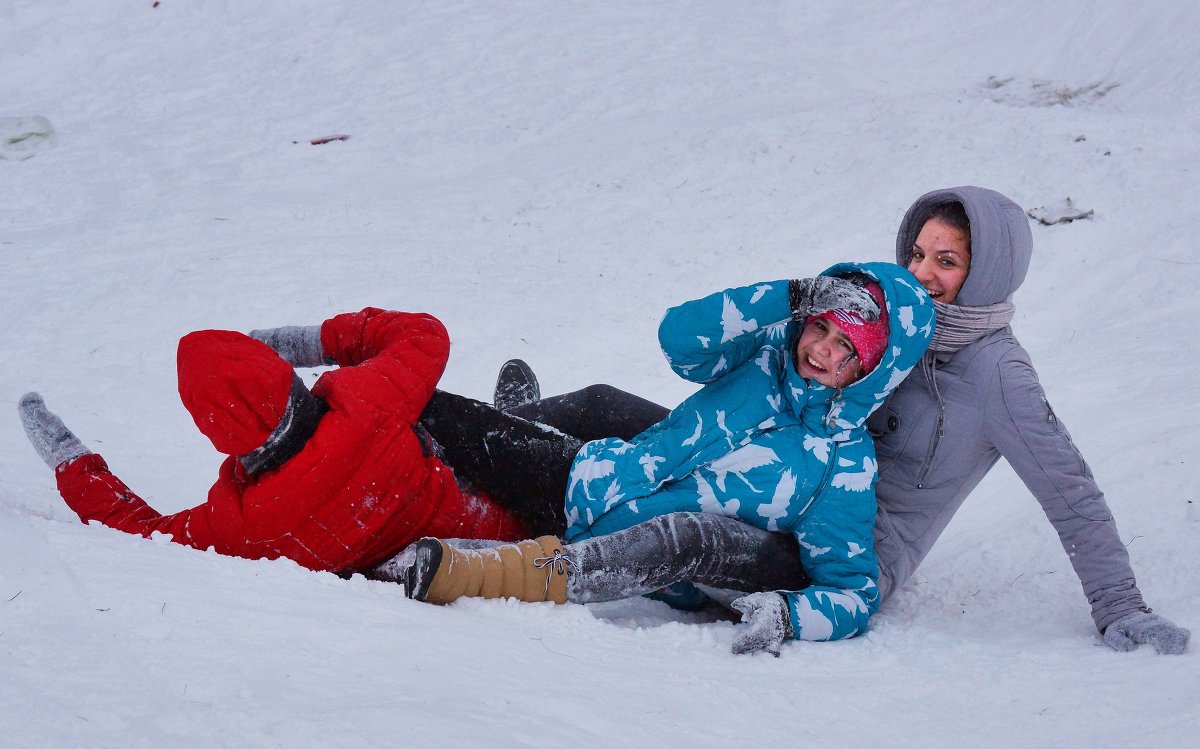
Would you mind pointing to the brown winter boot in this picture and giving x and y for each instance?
(529, 571)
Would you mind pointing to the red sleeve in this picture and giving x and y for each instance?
(94, 493)
(397, 356)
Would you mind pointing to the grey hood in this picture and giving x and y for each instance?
(1001, 242)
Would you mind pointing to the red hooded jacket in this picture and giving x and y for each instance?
(359, 490)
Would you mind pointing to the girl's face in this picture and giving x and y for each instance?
(941, 259)
(826, 355)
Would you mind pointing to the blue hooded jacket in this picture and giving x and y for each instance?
(762, 444)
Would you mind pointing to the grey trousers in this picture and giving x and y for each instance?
(708, 550)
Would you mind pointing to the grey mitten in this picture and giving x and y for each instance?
(812, 296)
(54, 443)
(768, 623)
(1140, 627)
(298, 345)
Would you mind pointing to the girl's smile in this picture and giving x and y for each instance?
(826, 355)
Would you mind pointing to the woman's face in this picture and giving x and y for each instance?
(941, 259)
(826, 355)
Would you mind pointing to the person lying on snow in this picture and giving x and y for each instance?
(776, 438)
(336, 479)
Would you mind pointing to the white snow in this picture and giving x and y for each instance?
(547, 178)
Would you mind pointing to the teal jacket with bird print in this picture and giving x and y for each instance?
(762, 444)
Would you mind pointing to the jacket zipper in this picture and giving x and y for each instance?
(824, 481)
(933, 446)
(930, 368)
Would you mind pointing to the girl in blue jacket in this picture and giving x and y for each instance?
(775, 438)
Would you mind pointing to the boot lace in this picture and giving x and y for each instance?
(557, 564)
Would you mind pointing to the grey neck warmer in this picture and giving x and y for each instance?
(959, 326)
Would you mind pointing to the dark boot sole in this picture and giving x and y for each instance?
(424, 567)
(516, 385)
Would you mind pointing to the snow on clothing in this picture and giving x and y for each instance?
(762, 444)
(947, 425)
(358, 491)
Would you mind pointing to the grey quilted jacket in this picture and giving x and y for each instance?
(949, 422)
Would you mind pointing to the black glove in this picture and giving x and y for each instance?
(298, 345)
(54, 442)
(812, 296)
(768, 623)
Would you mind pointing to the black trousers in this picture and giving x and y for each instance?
(522, 459)
(596, 412)
(521, 464)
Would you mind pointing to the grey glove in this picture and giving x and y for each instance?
(298, 345)
(54, 443)
(768, 623)
(1140, 627)
(812, 296)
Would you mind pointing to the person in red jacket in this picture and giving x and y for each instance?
(337, 479)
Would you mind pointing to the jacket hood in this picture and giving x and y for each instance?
(910, 327)
(1001, 242)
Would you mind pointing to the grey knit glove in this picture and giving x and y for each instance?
(54, 443)
(1140, 627)
(812, 296)
(768, 623)
(298, 345)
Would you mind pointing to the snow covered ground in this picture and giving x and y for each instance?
(546, 177)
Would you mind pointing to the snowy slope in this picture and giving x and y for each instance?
(546, 178)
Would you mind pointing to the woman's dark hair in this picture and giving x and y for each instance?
(953, 214)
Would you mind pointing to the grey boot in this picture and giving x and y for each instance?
(516, 385)
(54, 443)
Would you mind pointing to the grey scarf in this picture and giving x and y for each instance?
(959, 326)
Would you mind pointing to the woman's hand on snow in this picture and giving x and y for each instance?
(298, 345)
(1142, 627)
(768, 623)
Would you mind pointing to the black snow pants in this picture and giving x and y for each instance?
(524, 466)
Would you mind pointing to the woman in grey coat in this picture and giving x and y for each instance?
(974, 399)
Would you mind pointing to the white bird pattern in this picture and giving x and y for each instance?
(856, 481)
(781, 500)
(733, 322)
(740, 461)
(708, 501)
(649, 463)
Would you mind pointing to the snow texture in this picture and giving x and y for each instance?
(547, 181)
(24, 137)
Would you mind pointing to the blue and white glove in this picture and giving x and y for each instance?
(768, 623)
(1142, 627)
(298, 345)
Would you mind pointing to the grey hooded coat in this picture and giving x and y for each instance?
(949, 422)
